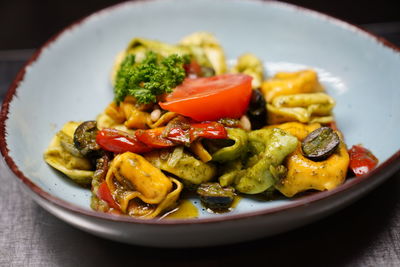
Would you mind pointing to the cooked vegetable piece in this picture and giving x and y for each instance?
(99, 176)
(198, 150)
(362, 160)
(85, 139)
(251, 65)
(210, 130)
(183, 165)
(216, 197)
(154, 138)
(289, 83)
(201, 98)
(320, 144)
(104, 193)
(178, 130)
(149, 78)
(257, 110)
(269, 147)
(236, 150)
(119, 142)
(228, 122)
(59, 156)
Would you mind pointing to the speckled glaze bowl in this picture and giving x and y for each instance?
(68, 79)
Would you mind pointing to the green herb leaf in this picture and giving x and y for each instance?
(148, 79)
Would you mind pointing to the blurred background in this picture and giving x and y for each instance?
(26, 24)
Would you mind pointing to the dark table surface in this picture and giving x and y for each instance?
(367, 233)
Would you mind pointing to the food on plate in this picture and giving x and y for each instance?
(183, 122)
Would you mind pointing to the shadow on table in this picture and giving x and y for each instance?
(341, 239)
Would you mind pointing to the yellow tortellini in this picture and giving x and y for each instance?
(131, 116)
(306, 108)
(304, 174)
(63, 156)
(290, 83)
(251, 65)
(141, 189)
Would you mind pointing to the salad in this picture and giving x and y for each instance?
(182, 120)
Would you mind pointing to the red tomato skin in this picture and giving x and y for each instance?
(115, 141)
(362, 160)
(154, 138)
(209, 99)
(103, 192)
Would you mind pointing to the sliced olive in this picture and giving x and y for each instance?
(85, 139)
(216, 197)
(257, 111)
(320, 144)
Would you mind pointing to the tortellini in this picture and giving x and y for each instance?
(206, 50)
(268, 148)
(289, 83)
(183, 165)
(306, 108)
(304, 174)
(131, 116)
(251, 65)
(141, 189)
(236, 150)
(63, 156)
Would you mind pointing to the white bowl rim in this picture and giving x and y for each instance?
(385, 169)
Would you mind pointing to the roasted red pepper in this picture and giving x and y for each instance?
(154, 138)
(119, 142)
(362, 160)
(210, 130)
(146, 140)
(103, 192)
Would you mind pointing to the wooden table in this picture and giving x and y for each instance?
(365, 234)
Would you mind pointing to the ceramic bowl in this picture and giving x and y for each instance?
(68, 79)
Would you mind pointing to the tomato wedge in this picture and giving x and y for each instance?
(119, 142)
(362, 160)
(211, 98)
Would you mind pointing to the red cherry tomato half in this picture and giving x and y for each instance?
(119, 142)
(362, 160)
(211, 98)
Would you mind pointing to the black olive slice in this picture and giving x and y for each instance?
(257, 110)
(216, 197)
(320, 144)
(85, 139)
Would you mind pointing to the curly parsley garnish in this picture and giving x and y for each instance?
(148, 79)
